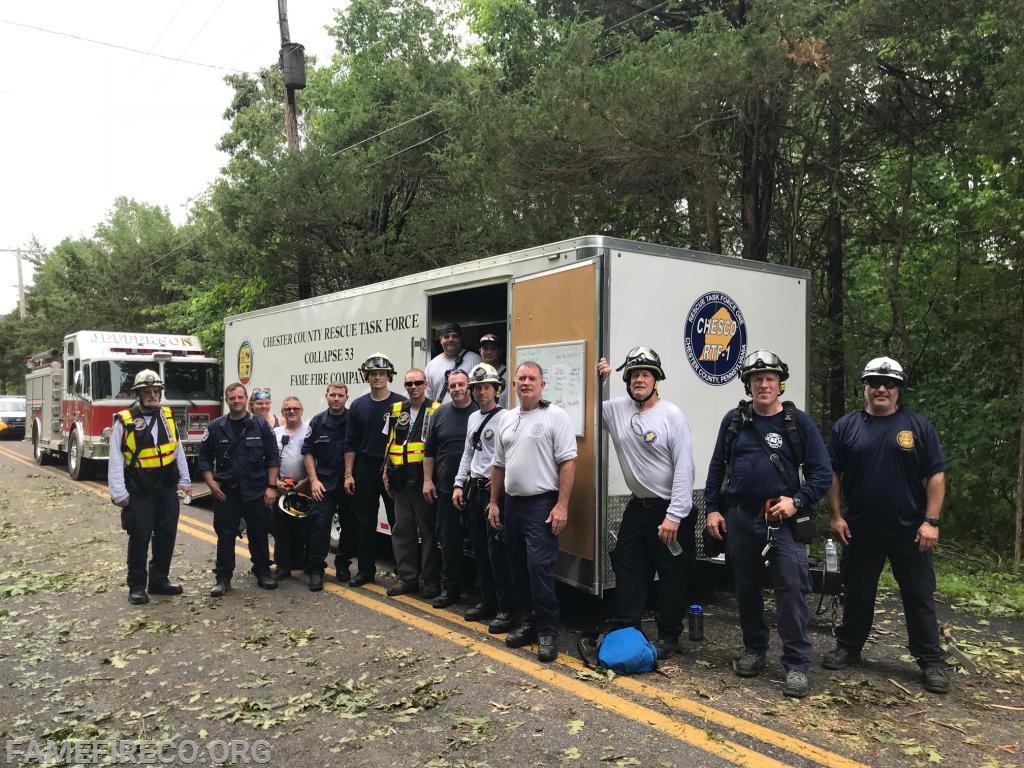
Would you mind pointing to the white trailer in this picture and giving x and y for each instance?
(565, 305)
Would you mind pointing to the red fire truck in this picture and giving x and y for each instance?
(74, 392)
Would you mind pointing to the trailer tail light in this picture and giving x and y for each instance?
(198, 422)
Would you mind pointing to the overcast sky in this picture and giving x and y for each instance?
(84, 123)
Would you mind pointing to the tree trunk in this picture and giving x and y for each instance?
(835, 400)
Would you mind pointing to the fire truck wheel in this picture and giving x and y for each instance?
(79, 467)
(39, 453)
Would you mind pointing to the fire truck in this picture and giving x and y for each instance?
(74, 392)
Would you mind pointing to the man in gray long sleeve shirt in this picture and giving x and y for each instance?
(656, 534)
(146, 463)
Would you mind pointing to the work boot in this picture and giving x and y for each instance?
(840, 657)
(401, 588)
(221, 588)
(502, 623)
(526, 634)
(547, 651)
(445, 599)
(480, 612)
(166, 588)
(138, 596)
(666, 647)
(266, 581)
(430, 591)
(796, 684)
(316, 581)
(280, 573)
(936, 678)
(749, 664)
(361, 579)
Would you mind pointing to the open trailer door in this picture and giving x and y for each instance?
(554, 321)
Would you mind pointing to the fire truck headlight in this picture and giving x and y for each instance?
(107, 431)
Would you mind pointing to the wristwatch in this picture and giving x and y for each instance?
(933, 521)
(798, 502)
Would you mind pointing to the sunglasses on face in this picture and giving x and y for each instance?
(878, 383)
(416, 383)
(290, 410)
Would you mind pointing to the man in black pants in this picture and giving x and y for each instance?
(445, 441)
(239, 461)
(366, 440)
(323, 450)
(145, 466)
(656, 534)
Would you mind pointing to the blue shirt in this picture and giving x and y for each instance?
(239, 452)
(369, 426)
(883, 463)
(325, 441)
(754, 479)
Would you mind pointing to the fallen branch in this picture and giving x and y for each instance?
(1007, 706)
(901, 687)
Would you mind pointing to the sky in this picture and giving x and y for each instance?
(84, 123)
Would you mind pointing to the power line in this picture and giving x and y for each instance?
(160, 36)
(82, 39)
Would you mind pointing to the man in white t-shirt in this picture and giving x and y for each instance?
(535, 465)
(656, 535)
(453, 357)
(290, 533)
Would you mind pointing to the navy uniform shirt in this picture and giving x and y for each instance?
(325, 440)
(445, 442)
(239, 452)
(369, 425)
(883, 463)
(754, 479)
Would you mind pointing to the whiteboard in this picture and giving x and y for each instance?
(564, 379)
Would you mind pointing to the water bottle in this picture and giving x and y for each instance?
(831, 557)
(696, 623)
(675, 547)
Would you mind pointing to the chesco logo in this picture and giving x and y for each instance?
(245, 356)
(716, 338)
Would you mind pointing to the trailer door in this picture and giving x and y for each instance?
(560, 308)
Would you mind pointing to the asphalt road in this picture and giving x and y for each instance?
(351, 677)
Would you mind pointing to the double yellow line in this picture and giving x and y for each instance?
(711, 722)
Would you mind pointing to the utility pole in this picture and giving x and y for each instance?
(21, 281)
(291, 119)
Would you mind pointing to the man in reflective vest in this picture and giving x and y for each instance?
(144, 475)
(417, 560)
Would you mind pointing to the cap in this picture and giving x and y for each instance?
(451, 328)
(490, 338)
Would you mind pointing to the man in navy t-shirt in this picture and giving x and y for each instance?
(890, 468)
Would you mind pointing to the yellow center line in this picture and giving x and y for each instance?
(370, 597)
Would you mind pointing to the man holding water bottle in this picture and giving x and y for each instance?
(656, 534)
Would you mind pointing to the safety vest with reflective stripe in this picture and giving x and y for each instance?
(150, 455)
(402, 448)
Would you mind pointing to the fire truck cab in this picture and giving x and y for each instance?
(73, 393)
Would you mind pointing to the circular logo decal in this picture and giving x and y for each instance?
(774, 440)
(139, 424)
(650, 436)
(403, 419)
(905, 439)
(488, 434)
(716, 338)
(245, 361)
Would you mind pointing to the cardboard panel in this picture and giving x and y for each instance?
(558, 307)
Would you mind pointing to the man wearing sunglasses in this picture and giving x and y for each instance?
(290, 533)
(653, 443)
(323, 450)
(889, 468)
(417, 560)
(760, 483)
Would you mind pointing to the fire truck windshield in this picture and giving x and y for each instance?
(182, 380)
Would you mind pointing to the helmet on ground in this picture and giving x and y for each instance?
(760, 361)
(640, 359)
(147, 378)
(485, 373)
(884, 367)
(295, 504)
(378, 361)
